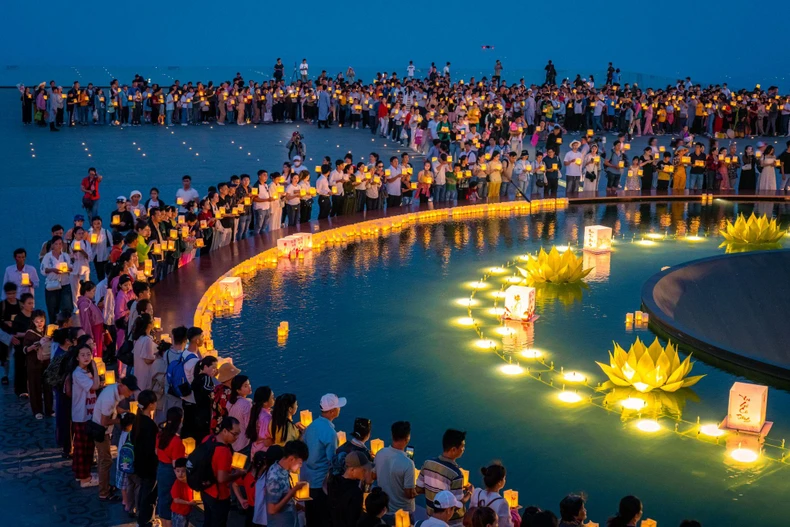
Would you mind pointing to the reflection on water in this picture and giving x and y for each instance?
(378, 322)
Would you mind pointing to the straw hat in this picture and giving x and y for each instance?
(227, 371)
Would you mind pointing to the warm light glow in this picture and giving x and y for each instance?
(498, 294)
(569, 397)
(497, 270)
(648, 425)
(694, 238)
(504, 331)
(514, 280)
(744, 455)
(511, 369)
(531, 353)
(485, 344)
(633, 403)
(573, 376)
(477, 285)
(467, 302)
(654, 236)
(711, 430)
(465, 321)
(563, 248)
(646, 243)
(497, 311)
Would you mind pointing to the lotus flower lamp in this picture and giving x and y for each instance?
(554, 267)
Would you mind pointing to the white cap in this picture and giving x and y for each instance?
(297, 157)
(445, 499)
(331, 401)
(136, 192)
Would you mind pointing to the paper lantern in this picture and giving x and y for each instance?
(511, 497)
(597, 239)
(101, 368)
(747, 407)
(286, 245)
(173, 234)
(402, 518)
(94, 238)
(133, 405)
(231, 287)
(519, 303)
(303, 494)
(341, 438)
(109, 378)
(376, 445)
(189, 445)
(465, 474)
(304, 240)
(157, 323)
(306, 418)
(63, 267)
(647, 522)
(238, 461)
(199, 243)
(26, 279)
(600, 263)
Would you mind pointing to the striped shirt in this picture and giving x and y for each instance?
(440, 474)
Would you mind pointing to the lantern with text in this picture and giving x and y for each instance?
(520, 303)
(511, 497)
(230, 287)
(746, 411)
(286, 246)
(597, 239)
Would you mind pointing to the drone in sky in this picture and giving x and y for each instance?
(487, 47)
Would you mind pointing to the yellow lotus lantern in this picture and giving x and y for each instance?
(754, 231)
(649, 368)
(554, 267)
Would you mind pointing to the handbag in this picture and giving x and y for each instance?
(540, 182)
(590, 175)
(95, 431)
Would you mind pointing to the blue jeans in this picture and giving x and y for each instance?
(510, 190)
(439, 193)
(184, 115)
(83, 114)
(261, 220)
(452, 193)
(169, 118)
(597, 124)
(695, 181)
(244, 226)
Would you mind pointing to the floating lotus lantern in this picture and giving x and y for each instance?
(649, 368)
(754, 231)
(554, 267)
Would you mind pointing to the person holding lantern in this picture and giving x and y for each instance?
(442, 476)
(57, 266)
(22, 275)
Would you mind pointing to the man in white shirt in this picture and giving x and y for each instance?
(105, 413)
(324, 193)
(393, 181)
(336, 179)
(410, 70)
(186, 194)
(573, 168)
(261, 204)
(303, 70)
(14, 273)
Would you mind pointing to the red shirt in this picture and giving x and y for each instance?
(94, 186)
(248, 483)
(175, 450)
(181, 491)
(222, 460)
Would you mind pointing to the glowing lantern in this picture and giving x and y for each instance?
(465, 474)
(239, 460)
(133, 405)
(747, 407)
(511, 497)
(157, 323)
(199, 243)
(231, 287)
(286, 245)
(519, 303)
(109, 378)
(402, 518)
(341, 438)
(101, 368)
(306, 418)
(51, 328)
(94, 238)
(189, 445)
(597, 239)
(63, 267)
(376, 445)
(26, 279)
(647, 522)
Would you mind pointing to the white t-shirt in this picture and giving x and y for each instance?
(483, 498)
(573, 169)
(263, 192)
(106, 405)
(393, 188)
(410, 70)
(303, 68)
(292, 189)
(186, 195)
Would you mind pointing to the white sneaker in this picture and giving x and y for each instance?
(39, 416)
(93, 482)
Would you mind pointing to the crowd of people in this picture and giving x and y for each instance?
(97, 360)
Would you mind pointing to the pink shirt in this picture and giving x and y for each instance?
(264, 418)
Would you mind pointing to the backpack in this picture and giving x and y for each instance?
(125, 353)
(126, 457)
(55, 374)
(200, 474)
(177, 376)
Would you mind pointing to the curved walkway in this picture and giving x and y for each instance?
(732, 307)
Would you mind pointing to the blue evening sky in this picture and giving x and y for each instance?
(706, 40)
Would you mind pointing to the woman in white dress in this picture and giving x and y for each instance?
(767, 170)
(276, 220)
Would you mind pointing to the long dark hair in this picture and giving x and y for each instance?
(280, 419)
(262, 395)
(235, 385)
(141, 325)
(170, 427)
(630, 506)
(144, 399)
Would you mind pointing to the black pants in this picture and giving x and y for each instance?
(189, 428)
(551, 186)
(146, 502)
(361, 199)
(372, 203)
(20, 371)
(323, 207)
(305, 210)
(216, 511)
(393, 201)
(101, 269)
(317, 509)
(337, 205)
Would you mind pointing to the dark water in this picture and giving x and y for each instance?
(375, 322)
